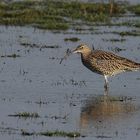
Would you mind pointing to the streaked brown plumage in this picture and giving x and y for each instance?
(105, 63)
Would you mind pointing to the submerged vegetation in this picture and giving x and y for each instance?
(33, 45)
(58, 14)
(73, 39)
(135, 9)
(25, 115)
(126, 33)
(12, 55)
(60, 133)
(55, 133)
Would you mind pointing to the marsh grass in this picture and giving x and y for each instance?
(25, 115)
(12, 55)
(135, 9)
(127, 33)
(56, 15)
(114, 40)
(113, 98)
(26, 133)
(40, 46)
(72, 82)
(55, 133)
(72, 39)
(60, 134)
(137, 24)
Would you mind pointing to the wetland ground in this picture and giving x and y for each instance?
(43, 99)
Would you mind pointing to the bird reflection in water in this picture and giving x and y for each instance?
(99, 111)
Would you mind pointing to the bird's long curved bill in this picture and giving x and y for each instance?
(74, 51)
(68, 52)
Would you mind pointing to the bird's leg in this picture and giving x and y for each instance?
(106, 86)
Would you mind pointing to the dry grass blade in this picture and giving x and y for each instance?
(68, 52)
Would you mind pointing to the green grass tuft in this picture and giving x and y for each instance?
(55, 133)
(12, 55)
(25, 115)
(135, 9)
(60, 134)
(73, 39)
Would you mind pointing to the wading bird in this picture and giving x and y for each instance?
(105, 63)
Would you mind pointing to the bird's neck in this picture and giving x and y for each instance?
(84, 56)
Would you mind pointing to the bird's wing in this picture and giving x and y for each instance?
(116, 62)
(99, 54)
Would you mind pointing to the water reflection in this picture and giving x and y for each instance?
(105, 110)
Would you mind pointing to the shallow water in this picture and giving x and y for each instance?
(67, 96)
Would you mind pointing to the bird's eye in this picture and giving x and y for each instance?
(81, 47)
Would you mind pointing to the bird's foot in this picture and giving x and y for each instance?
(106, 86)
(106, 89)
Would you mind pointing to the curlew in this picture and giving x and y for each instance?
(105, 63)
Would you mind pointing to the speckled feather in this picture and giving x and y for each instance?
(106, 63)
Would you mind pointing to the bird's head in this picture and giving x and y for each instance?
(83, 49)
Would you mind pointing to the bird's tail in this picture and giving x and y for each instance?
(136, 67)
(132, 66)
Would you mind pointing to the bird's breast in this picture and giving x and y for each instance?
(90, 63)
